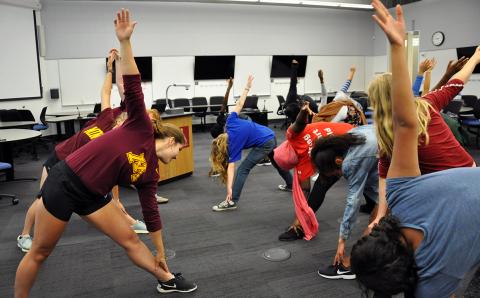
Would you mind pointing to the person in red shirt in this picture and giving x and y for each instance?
(302, 137)
(128, 155)
(438, 149)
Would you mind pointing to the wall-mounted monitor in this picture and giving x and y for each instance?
(281, 66)
(144, 65)
(214, 67)
(468, 52)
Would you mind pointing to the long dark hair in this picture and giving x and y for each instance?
(383, 261)
(327, 149)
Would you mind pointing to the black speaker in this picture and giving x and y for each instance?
(54, 94)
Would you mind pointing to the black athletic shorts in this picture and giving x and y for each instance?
(51, 161)
(64, 193)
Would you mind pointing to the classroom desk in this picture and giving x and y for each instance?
(183, 165)
(69, 123)
(7, 138)
(18, 124)
(65, 113)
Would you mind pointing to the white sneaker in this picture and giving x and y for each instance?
(161, 200)
(284, 187)
(24, 242)
(139, 227)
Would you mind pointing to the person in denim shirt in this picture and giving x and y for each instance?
(353, 155)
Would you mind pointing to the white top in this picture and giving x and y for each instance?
(17, 134)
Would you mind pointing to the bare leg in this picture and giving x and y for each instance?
(116, 197)
(109, 220)
(47, 233)
(30, 216)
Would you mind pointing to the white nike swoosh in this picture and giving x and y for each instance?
(173, 287)
(342, 272)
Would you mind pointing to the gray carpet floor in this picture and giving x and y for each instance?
(221, 252)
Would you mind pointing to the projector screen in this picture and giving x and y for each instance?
(19, 63)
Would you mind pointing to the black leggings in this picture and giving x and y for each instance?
(319, 191)
(292, 90)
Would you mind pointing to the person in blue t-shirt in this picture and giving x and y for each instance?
(430, 241)
(227, 149)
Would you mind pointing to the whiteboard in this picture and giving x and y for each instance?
(81, 80)
(259, 67)
(19, 68)
(335, 71)
(172, 70)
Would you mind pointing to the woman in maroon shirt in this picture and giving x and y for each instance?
(438, 149)
(124, 156)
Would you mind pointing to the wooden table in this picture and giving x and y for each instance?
(9, 136)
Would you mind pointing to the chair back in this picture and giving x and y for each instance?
(42, 116)
(182, 102)
(476, 109)
(97, 108)
(160, 105)
(199, 101)
(453, 107)
(469, 100)
(26, 115)
(358, 94)
(216, 100)
(251, 102)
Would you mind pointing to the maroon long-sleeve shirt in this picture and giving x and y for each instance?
(124, 156)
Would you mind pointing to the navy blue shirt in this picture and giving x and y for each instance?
(244, 134)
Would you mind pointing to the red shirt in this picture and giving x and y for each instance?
(103, 123)
(443, 150)
(124, 156)
(303, 143)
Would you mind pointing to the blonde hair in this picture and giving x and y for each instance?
(219, 157)
(165, 130)
(120, 119)
(379, 95)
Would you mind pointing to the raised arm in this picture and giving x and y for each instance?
(124, 29)
(422, 68)
(227, 94)
(452, 68)
(302, 118)
(238, 107)
(464, 74)
(405, 127)
(107, 83)
(324, 95)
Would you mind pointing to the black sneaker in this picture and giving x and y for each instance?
(292, 234)
(336, 272)
(176, 284)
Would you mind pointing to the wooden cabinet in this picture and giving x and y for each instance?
(183, 165)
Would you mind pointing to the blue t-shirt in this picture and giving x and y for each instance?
(244, 134)
(446, 206)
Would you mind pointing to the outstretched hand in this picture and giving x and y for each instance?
(249, 81)
(455, 66)
(230, 82)
(113, 54)
(353, 68)
(123, 25)
(320, 74)
(393, 28)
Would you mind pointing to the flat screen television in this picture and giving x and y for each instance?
(214, 67)
(144, 65)
(468, 52)
(281, 66)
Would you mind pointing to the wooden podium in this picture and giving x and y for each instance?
(183, 165)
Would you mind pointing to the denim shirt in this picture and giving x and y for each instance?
(360, 169)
